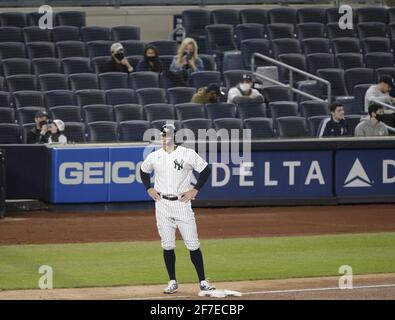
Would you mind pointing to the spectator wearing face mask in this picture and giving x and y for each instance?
(118, 62)
(244, 92)
(209, 94)
(56, 130)
(150, 60)
(372, 126)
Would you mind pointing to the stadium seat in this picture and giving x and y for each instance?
(25, 128)
(254, 15)
(277, 93)
(376, 44)
(283, 109)
(166, 62)
(310, 30)
(46, 65)
(9, 50)
(371, 29)
(249, 31)
(113, 80)
(7, 115)
(357, 76)
(143, 79)
(34, 34)
(359, 94)
(295, 60)
(121, 33)
(97, 112)
(292, 127)
(126, 112)
(251, 46)
(75, 132)
(165, 47)
(225, 16)
(33, 18)
(344, 45)
(336, 78)
(77, 65)
(313, 108)
(180, 95)
(2, 85)
(353, 120)
(233, 126)
(333, 15)
(15, 66)
(56, 98)
(66, 113)
(221, 110)
(151, 95)
(311, 15)
(102, 131)
(5, 100)
(316, 45)
(247, 110)
(316, 61)
(391, 15)
(68, 49)
(10, 133)
(133, 47)
(28, 99)
(11, 34)
(53, 81)
(208, 62)
(27, 114)
(133, 130)
(95, 33)
(261, 128)
(40, 50)
(335, 32)
(159, 111)
(203, 78)
(100, 64)
(281, 46)
(375, 60)
(14, 19)
(121, 96)
(382, 71)
(315, 124)
(283, 15)
(194, 21)
(71, 18)
(65, 33)
(21, 82)
(219, 39)
(99, 48)
(186, 111)
(349, 60)
(280, 31)
(371, 14)
(195, 125)
(90, 96)
(81, 81)
(233, 77)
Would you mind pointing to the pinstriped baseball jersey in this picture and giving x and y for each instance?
(173, 171)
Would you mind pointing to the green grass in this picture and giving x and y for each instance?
(128, 263)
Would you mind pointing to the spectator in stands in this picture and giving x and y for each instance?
(244, 91)
(372, 126)
(40, 133)
(150, 60)
(56, 130)
(209, 94)
(336, 125)
(185, 62)
(118, 62)
(380, 92)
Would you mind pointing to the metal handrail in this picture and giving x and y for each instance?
(291, 70)
(386, 105)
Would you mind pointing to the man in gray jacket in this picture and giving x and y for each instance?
(372, 126)
(380, 91)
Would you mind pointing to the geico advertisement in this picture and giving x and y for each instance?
(113, 174)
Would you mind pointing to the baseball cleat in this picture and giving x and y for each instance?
(172, 287)
(206, 286)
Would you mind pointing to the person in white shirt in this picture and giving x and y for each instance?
(380, 92)
(57, 132)
(244, 92)
(173, 168)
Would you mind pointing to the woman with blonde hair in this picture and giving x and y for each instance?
(186, 61)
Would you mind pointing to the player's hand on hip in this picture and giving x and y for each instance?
(189, 195)
(153, 194)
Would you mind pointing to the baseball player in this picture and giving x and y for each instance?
(173, 166)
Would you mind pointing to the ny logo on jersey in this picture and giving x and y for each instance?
(178, 165)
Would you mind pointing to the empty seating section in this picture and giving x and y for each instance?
(61, 70)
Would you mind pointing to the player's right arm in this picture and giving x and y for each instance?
(145, 171)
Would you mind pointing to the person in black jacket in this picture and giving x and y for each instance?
(336, 125)
(118, 62)
(40, 133)
(150, 60)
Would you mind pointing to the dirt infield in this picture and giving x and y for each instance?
(44, 227)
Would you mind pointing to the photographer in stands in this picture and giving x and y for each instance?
(56, 129)
(372, 126)
(40, 133)
(118, 62)
(244, 91)
(209, 94)
(336, 125)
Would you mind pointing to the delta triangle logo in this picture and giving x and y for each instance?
(357, 177)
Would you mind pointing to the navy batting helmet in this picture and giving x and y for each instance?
(168, 129)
